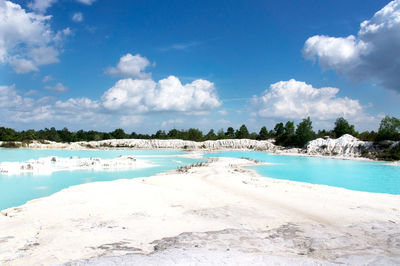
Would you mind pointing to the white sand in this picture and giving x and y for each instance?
(195, 218)
(48, 165)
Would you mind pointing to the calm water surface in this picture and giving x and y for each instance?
(356, 175)
(18, 189)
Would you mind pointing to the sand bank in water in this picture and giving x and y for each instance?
(199, 216)
(48, 165)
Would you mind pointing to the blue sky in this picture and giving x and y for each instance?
(145, 65)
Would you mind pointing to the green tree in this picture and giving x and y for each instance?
(368, 136)
(173, 134)
(65, 135)
(287, 137)
(52, 135)
(389, 129)
(304, 133)
(242, 133)
(195, 134)
(160, 134)
(8, 134)
(343, 127)
(221, 134)
(211, 135)
(119, 133)
(263, 135)
(279, 129)
(230, 132)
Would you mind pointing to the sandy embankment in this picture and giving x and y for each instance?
(207, 215)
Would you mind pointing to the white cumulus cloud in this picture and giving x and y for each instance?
(26, 39)
(77, 17)
(131, 66)
(86, 2)
(41, 6)
(296, 100)
(47, 78)
(372, 54)
(165, 95)
(59, 87)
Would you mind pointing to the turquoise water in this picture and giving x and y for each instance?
(356, 175)
(16, 190)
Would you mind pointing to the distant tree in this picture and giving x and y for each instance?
(133, 135)
(368, 136)
(389, 129)
(221, 134)
(253, 135)
(343, 127)
(230, 132)
(211, 135)
(119, 133)
(27, 135)
(173, 134)
(65, 135)
(324, 133)
(195, 134)
(287, 137)
(160, 134)
(242, 133)
(289, 128)
(279, 129)
(8, 134)
(52, 135)
(263, 135)
(108, 135)
(304, 133)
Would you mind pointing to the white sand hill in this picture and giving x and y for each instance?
(217, 214)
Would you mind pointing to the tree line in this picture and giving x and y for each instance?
(287, 135)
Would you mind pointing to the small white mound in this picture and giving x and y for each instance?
(48, 165)
(346, 145)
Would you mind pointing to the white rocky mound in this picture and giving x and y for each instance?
(346, 145)
(47, 165)
(163, 144)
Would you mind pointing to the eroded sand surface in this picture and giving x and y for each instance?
(215, 214)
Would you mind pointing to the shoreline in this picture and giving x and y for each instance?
(51, 164)
(205, 151)
(346, 147)
(214, 206)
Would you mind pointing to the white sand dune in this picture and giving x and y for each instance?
(211, 215)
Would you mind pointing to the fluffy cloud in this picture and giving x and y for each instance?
(172, 122)
(86, 2)
(296, 100)
(47, 78)
(166, 95)
(26, 39)
(77, 17)
(42, 5)
(130, 66)
(372, 54)
(125, 102)
(59, 87)
(17, 108)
